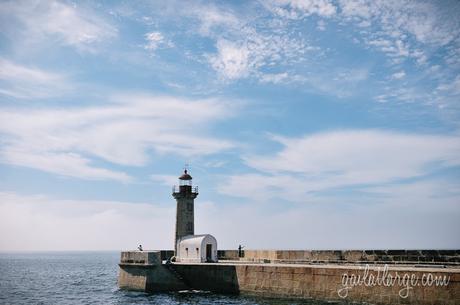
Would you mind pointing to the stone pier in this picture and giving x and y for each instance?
(376, 283)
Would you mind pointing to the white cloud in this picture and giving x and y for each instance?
(42, 223)
(263, 187)
(65, 141)
(419, 215)
(213, 19)
(335, 81)
(61, 163)
(392, 48)
(406, 32)
(246, 47)
(9, 70)
(168, 180)
(452, 88)
(401, 26)
(398, 75)
(325, 161)
(423, 20)
(321, 25)
(247, 56)
(153, 40)
(156, 40)
(357, 8)
(231, 61)
(59, 22)
(295, 9)
(354, 75)
(364, 155)
(274, 78)
(410, 95)
(29, 82)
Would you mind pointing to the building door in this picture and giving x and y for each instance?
(209, 252)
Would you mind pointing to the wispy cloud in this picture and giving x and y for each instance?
(167, 180)
(422, 20)
(356, 221)
(245, 46)
(213, 19)
(55, 22)
(65, 141)
(155, 40)
(405, 29)
(451, 88)
(275, 78)
(360, 158)
(335, 81)
(250, 55)
(232, 61)
(294, 9)
(410, 34)
(19, 81)
(398, 75)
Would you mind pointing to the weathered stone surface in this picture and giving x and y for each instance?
(144, 271)
(351, 256)
(185, 220)
(133, 278)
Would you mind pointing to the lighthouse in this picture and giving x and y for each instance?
(189, 247)
(185, 195)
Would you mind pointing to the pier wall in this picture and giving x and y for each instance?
(322, 282)
(345, 256)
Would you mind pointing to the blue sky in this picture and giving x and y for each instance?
(306, 124)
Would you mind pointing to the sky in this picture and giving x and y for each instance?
(314, 124)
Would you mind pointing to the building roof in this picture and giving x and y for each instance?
(192, 240)
(185, 176)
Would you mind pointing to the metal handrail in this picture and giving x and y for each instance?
(176, 189)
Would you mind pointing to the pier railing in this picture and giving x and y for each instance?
(179, 188)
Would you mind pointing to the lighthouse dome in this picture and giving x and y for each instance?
(185, 176)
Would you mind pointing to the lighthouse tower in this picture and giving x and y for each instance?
(185, 195)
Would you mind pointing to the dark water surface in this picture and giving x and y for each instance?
(91, 278)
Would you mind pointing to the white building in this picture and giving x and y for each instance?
(197, 249)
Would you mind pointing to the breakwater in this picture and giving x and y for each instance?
(379, 283)
(449, 257)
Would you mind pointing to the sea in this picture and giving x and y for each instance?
(91, 278)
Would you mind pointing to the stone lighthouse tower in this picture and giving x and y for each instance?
(185, 195)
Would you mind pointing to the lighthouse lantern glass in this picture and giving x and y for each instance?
(185, 182)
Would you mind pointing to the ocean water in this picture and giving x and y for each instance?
(91, 278)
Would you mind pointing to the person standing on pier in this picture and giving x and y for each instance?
(240, 250)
